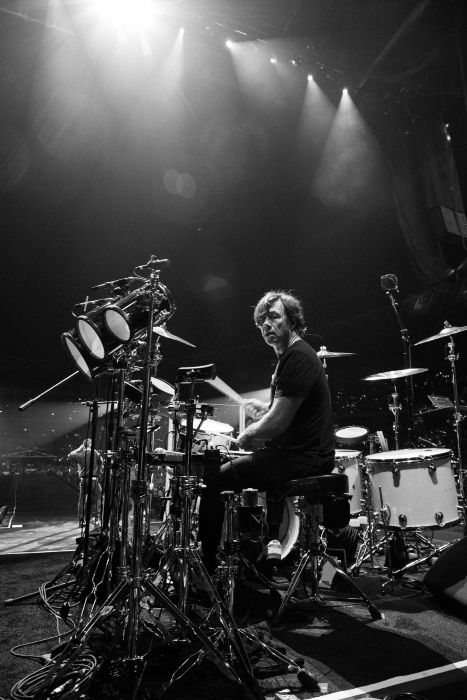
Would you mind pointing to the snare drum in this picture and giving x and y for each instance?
(348, 462)
(413, 488)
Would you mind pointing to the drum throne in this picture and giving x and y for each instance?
(323, 502)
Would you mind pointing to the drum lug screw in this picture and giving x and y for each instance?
(402, 520)
(439, 517)
(432, 468)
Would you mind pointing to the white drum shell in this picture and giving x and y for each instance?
(290, 525)
(417, 484)
(348, 462)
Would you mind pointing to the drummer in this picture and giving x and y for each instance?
(296, 423)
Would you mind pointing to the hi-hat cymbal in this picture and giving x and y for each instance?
(395, 374)
(210, 426)
(162, 330)
(324, 352)
(444, 333)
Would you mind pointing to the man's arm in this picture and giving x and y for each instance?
(273, 423)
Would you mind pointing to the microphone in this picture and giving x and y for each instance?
(389, 283)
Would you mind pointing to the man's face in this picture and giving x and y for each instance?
(276, 327)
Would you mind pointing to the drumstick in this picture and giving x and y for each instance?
(225, 389)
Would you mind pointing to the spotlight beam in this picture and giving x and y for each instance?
(415, 14)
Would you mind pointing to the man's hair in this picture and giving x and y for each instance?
(292, 306)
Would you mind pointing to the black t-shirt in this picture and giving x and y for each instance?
(300, 373)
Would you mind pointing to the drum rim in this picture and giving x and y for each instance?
(346, 427)
(89, 323)
(67, 340)
(116, 309)
(356, 454)
(381, 457)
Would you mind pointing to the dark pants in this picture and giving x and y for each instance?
(266, 470)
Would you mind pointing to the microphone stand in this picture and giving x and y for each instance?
(407, 364)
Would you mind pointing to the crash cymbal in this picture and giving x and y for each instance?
(324, 352)
(162, 331)
(395, 374)
(444, 333)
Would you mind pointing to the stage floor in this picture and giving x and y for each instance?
(416, 647)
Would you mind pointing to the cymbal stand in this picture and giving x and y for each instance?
(406, 359)
(395, 407)
(452, 356)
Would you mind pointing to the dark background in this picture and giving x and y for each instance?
(91, 133)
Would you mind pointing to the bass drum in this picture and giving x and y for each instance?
(417, 487)
(290, 525)
(348, 462)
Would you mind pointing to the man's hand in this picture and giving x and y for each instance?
(254, 408)
(245, 440)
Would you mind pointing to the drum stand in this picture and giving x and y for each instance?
(395, 407)
(390, 286)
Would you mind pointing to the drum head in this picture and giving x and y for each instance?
(351, 435)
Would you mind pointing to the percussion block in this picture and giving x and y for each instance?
(447, 578)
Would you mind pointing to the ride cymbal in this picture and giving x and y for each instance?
(444, 333)
(395, 374)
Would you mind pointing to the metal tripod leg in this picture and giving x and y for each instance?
(227, 630)
(294, 582)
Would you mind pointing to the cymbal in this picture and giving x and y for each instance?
(395, 374)
(210, 426)
(444, 333)
(162, 330)
(324, 352)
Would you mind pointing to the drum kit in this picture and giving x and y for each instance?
(404, 490)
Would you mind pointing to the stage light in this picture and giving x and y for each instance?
(229, 43)
(273, 60)
(345, 91)
(126, 14)
(310, 78)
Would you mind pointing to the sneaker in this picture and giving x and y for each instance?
(273, 550)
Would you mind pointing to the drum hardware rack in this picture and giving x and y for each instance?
(131, 580)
